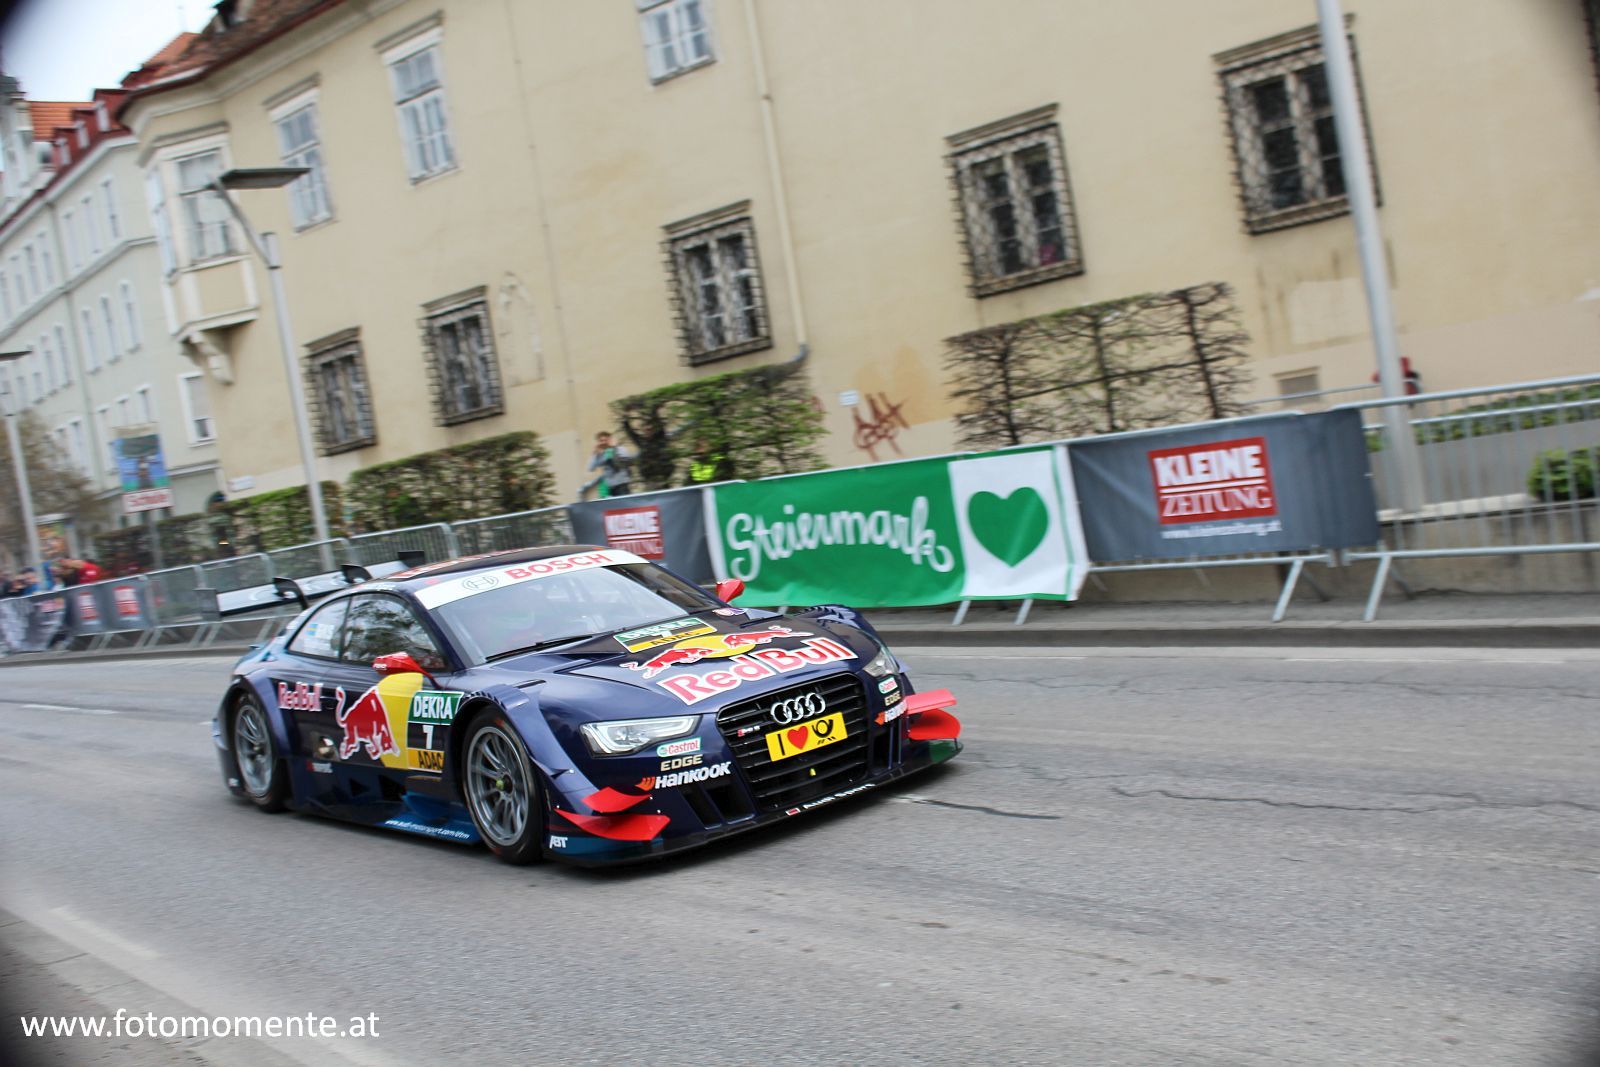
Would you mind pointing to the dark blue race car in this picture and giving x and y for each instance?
(572, 701)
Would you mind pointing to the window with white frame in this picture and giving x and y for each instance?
(5, 295)
(21, 385)
(462, 366)
(45, 261)
(38, 375)
(1286, 146)
(196, 408)
(336, 374)
(22, 284)
(78, 444)
(109, 320)
(91, 225)
(677, 36)
(156, 201)
(717, 285)
(91, 350)
(130, 315)
(124, 413)
(144, 405)
(300, 146)
(1015, 203)
(419, 99)
(108, 199)
(31, 258)
(69, 233)
(51, 370)
(205, 216)
(102, 415)
(66, 353)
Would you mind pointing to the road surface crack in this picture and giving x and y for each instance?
(977, 807)
(1471, 800)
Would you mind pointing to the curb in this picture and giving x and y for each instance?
(1495, 633)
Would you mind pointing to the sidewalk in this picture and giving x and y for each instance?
(1455, 619)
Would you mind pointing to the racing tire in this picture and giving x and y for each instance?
(502, 791)
(261, 772)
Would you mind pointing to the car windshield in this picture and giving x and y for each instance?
(561, 607)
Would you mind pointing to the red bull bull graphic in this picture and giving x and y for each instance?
(714, 646)
(375, 722)
(753, 666)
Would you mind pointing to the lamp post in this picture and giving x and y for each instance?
(266, 246)
(14, 439)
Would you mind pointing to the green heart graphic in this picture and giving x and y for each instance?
(1009, 528)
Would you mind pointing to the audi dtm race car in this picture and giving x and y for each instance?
(573, 701)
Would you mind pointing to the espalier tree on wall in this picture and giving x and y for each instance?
(494, 476)
(743, 424)
(1148, 360)
(57, 487)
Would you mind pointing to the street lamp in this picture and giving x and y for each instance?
(24, 491)
(266, 246)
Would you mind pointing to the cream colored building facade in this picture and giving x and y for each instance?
(521, 211)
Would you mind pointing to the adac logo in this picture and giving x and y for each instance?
(710, 646)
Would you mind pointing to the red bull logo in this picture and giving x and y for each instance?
(753, 666)
(711, 646)
(366, 723)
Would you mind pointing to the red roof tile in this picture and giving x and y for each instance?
(48, 114)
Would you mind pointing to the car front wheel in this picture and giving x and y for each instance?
(502, 791)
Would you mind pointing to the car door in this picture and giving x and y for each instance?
(309, 700)
(397, 725)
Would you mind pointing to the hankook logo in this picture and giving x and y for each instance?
(796, 708)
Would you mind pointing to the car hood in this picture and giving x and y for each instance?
(695, 664)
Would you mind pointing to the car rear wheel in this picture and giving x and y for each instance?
(261, 772)
(502, 791)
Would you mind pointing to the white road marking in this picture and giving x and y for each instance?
(100, 933)
(67, 707)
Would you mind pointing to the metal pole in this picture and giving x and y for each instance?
(1400, 443)
(297, 398)
(24, 491)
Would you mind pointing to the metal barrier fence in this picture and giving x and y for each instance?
(314, 557)
(436, 541)
(1499, 472)
(544, 526)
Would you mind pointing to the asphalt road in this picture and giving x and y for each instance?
(1144, 857)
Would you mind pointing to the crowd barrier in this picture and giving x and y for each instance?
(1285, 489)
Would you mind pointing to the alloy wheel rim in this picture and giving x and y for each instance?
(497, 786)
(253, 749)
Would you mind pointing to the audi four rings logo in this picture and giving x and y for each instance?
(794, 709)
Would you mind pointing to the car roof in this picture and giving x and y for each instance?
(417, 576)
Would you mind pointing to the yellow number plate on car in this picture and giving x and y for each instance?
(789, 741)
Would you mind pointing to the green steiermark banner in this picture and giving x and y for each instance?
(1001, 525)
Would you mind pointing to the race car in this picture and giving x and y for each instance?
(575, 702)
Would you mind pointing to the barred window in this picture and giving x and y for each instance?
(1015, 203)
(462, 365)
(717, 283)
(336, 376)
(1285, 142)
(677, 36)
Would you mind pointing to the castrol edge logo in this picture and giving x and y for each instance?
(1219, 480)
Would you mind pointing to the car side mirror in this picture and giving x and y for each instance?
(729, 589)
(397, 663)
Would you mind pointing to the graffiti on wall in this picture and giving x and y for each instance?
(881, 425)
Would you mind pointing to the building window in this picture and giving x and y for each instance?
(336, 374)
(5, 296)
(147, 411)
(717, 285)
(130, 315)
(66, 356)
(1015, 203)
(156, 199)
(49, 363)
(45, 261)
(91, 226)
(38, 376)
(677, 36)
(1285, 144)
(462, 367)
(124, 420)
(108, 196)
(102, 416)
(91, 351)
(205, 216)
(419, 98)
(32, 260)
(23, 298)
(299, 146)
(109, 320)
(1296, 389)
(196, 408)
(69, 231)
(79, 445)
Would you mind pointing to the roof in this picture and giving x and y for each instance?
(153, 67)
(47, 115)
(219, 43)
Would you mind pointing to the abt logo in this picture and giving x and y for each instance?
(1221, 480)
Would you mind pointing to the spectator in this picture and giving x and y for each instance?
(65, 571)
(26, 583)
(613, 463)
(89, 571)
(705, 465)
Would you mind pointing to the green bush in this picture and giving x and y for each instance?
(277, 519)
(1503, 416)
(495, 476)
(1558, 475)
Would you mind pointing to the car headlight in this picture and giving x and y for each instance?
(883, 664)
(630, 735)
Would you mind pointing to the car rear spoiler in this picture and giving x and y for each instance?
(221, 604)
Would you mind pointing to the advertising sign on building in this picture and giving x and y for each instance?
(143, 472)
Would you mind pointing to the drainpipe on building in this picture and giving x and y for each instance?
(775, 170)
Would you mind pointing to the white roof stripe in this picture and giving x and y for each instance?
(458, 587)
